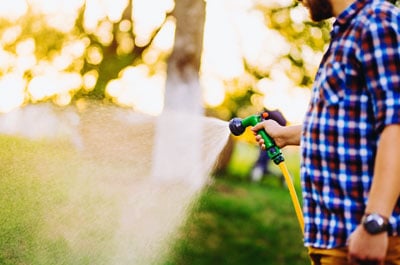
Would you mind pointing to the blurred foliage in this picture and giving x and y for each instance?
(241, 99)
(300, 35)
(108, 49)
(113, 54)
(48, 40)
(244, 98)
(395, 2)
(119, 53)
(107, 56)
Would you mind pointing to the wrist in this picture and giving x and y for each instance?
(375, 223)
(292, 135)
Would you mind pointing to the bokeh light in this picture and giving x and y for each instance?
(227, 39)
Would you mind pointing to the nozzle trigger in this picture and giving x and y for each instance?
(264, 115)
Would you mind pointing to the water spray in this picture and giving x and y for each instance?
(238, 126)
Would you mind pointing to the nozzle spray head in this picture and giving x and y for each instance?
(236, 126)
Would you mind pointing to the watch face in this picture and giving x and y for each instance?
(373, 227)
(374, 224)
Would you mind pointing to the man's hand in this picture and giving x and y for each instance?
(367, 249)
(282, 135)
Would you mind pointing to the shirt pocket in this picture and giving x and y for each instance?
(332, 82)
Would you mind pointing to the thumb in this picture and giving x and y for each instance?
(257, 127)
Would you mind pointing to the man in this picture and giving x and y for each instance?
(350, 137)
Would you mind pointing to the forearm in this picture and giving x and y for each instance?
(293, 134)
(385, 189)
(282, 135)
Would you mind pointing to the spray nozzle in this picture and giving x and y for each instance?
(237, 127)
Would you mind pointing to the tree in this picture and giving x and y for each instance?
(117, 54)
(179, 128)
(103, 52)
(183, 87)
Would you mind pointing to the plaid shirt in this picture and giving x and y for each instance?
(355, 95)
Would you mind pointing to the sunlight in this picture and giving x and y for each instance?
(149, 15)
(26, 58)
(136, 88)
(58, 84)
(12, 89)
(260, 46)
(227, 39)
(103, 31)
(89, 80)
(213, 91)
(94, 55)
(98, 10)
(70, 52)
(221, 52)
(280, 93)
(59, 14)
(11, 34)
(13, 10)
(7, 60)
(299, 14)
(165, 38)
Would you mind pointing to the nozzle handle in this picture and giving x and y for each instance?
(267, 139)
(273, 151)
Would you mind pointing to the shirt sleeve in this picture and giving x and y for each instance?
(380, 53)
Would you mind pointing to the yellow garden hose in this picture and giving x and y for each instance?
(293, 194)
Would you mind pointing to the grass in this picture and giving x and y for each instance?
(240, 222)
(233, 222)
(35, 179)
(23, 201)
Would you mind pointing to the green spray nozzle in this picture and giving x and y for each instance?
(237, 126)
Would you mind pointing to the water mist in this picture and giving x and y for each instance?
(108, 190)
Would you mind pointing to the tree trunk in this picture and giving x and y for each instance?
(177, 154)
(183, 91)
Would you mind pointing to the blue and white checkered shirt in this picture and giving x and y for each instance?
(355, 95)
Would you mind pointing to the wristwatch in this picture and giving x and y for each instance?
(374, 223)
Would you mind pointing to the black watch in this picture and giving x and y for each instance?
(374, 223)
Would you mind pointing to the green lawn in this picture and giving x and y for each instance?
(36, 214)
(237, 222)
(23, 200)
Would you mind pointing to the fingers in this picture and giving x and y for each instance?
(365, 249)
(257, 127)
(359, 260)
(259, 140)
(354, 261)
